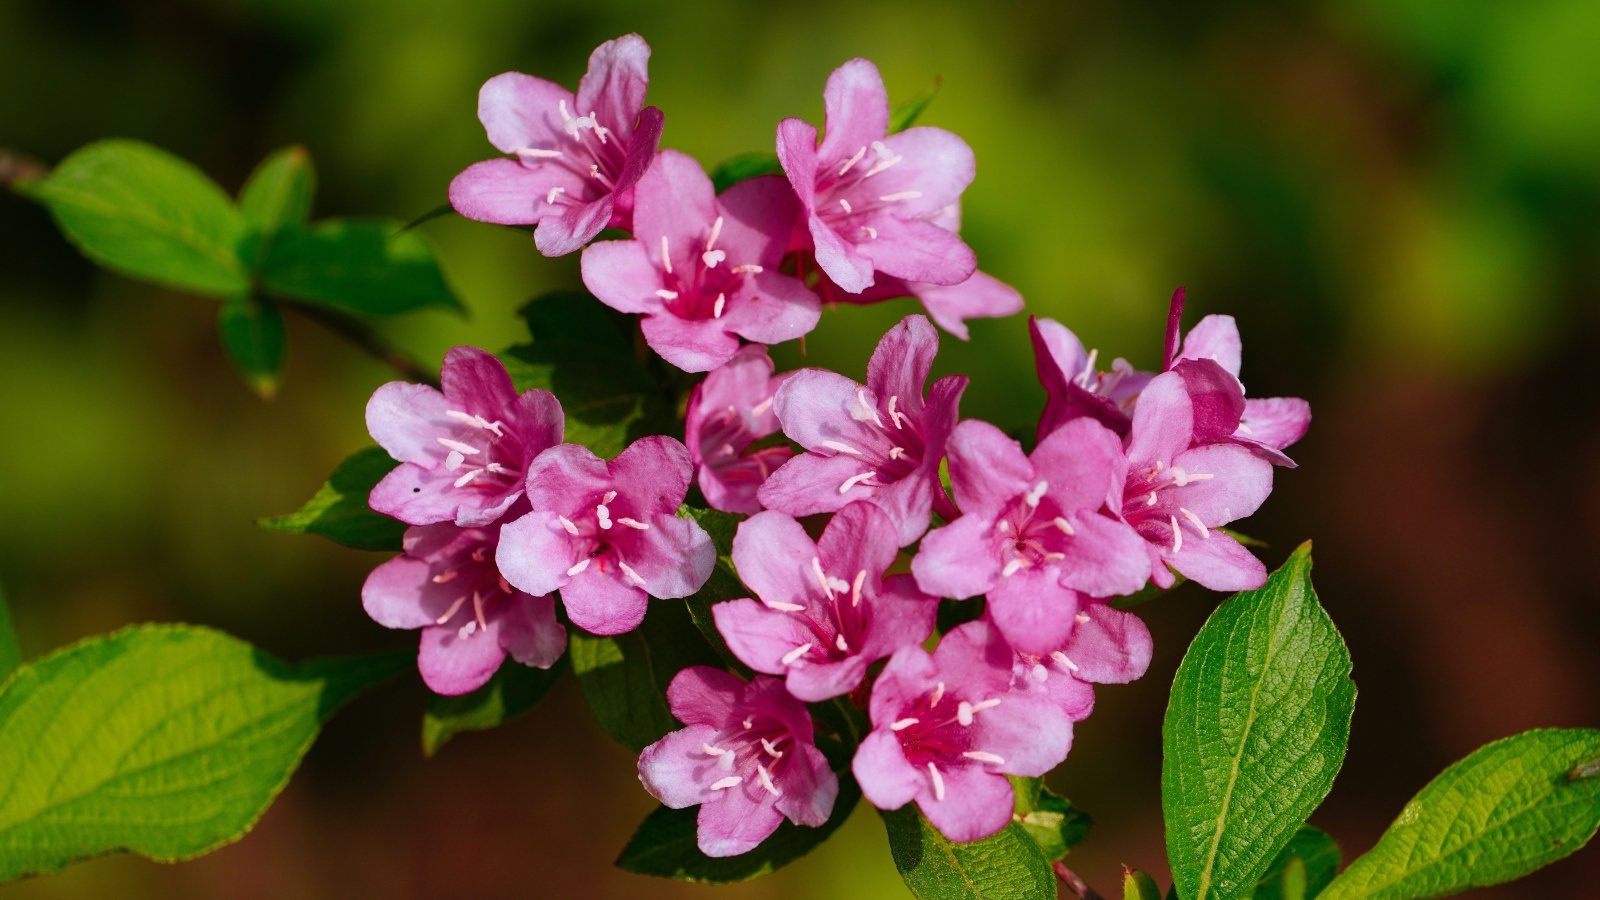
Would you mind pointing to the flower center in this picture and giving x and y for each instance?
(757, 752)
(889, 443)
(701, 289)
(602, 527)
(472, 449)
(840, 631)
(590, 149)
(1032, 533)
(471, 571)
(1152, 505)
(936, 735)
(848, 200)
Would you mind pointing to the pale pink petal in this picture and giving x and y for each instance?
(980, 297)
(1113, 647)
(987, 468)
(702, 695)
(1215, 338)
(676, 770)
(614, 86)
(521, 112)
(1163, 422)
(602, 602)
(900, 363)
(859, 538)
(887, 780)
(759, 214)
(736, 822)
(959, 560)
(1240, 482)
(529, 631)
(674, 200)
(809, 788)
(407, 419)
(506, 192)
(1275, 422)
(395, 594)
(976, 803)
(1104, 558)
(653, 474)
(846, 263)
(623, 275)
(856, 107)
(1082, 463)
(772, 308)
(772, 554)
(914, 250)
(674, 557)
(535, 553)
(797, 153)
(573, 226)
(563, 477)
(452, 664)
(758, 636)
(1031, 733)
(1032, 610)
(1221, 564)
(934, 163)
(693, 346)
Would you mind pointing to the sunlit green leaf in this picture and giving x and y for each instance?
(1254, 733)
(278, 193)
(1513, 806)
(746, 165)
(1050, 819)
(166, 741)
(1137, 885)
(1302, 869)
(339, 509)
(512, 691)
(366, 266)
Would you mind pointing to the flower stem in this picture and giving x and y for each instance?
(1074, 883)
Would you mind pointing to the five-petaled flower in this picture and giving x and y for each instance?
(826, 609)
(880, 441)
(946, 730)
(606, 534)
(572, 159)
(1031, 535)
(869, 198)
(446, 584)
(1107, 646)
(463, 451)
(703, 269)
(746, 758)
(728, 412)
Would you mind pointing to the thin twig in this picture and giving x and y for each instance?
(1074, 883)
(358, 333)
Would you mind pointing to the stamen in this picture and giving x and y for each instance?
(712, 257)
(1081, 618)
(780, 606)
(453, 461)
(1150, 500)
(748, 724)
(766, 781)
(790, 657)
(527, 153)
(938, 694)
(464, 480)
(1062, 660)
(565, 116)
(964, 713)
(603, 515)
(597, 175)
(886, 159)
(568, 525)
(982, 705)
(868, 409)
(845, 205)
(854, 480)
(1012, 567)
(747, 269)
(1088, 368)
(716, 231)
(938, 781)
(459, 447)
(505, 586)
(477, 610)
(1177, 536)
(446, 577)
(1205, 534)
(632, 575)
(666, 294)
(895, 415)
(551, 195)
(633, 523)
(870, 232)
(1003, 526)
(451, 612)
(855, 587)
(724, 784)
(710, 750)
(902, 195)
(903, 724)
(1040, 673)
(467, 630)
(1036, 493)
(985, 757)
(762, 407)
(772, 750)
(839, 642)
(717, 308)
(841, 447)
(666, 258)
(839, 585)
(1054, 557)
(853, 160)
(822, 578)
(896, 452)
(609, 496)
(578, 567)
(1065, 526)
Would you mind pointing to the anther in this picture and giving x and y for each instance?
(938, 781)
(903, 724)
(784, 607)
(895, 415)
(459, 447)
(866, 408)
(551, 195)
(665, 294)
(1205, 534)
(467, 630)
(766, 781)
(854, 480)
(710, 750)
(446, 577)
(633, 523)
(1177, 535)
(901, 195)
(632, 575)
(1065, 526)
(716, 231)
(719, 306)
(964, 713)
(853, 160)
(772, 750)
(748, 724)
(450, 613)
(1012, 567)
(597, 175)
(938, 694)
(855, 587)
(793, 655)
(1036, 493)
(1064, 661)
(568, 524)
(1081, 618)
(822, 578)
(747, 269)
(845, 205)
(712, 257)
(841, 447)
(984, 757)
(466, 479)
(896, 452)
(839, 642)
(870, 232)
(1040, 673)
(1150, 500)
(725, 783)
(579, 567)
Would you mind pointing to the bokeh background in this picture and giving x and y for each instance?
(1397, 200)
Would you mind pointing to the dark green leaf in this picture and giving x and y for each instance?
(724, 583)
(624, 678)
(1302, 869)
(955, 613)
(252, 333)
(339, 510)
(10, 652)
(1007, 866)
(366, 266)
(1137, 885)
(278, 193)
(1254, 733)
(665, 845)
(1513, 806)
(906, 114)
(1051, 820)
(144, 213)
(166, 741)
(512, 691)
(584, 354)
(746, 165)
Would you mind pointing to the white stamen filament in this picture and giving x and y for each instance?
(855, 587)
(839, 642)
(772, 751)
(902, 195)
(459, 447)
(1065, 526)
(938, 781)
(822, 578)
(1012, 567)
(760, 409)
(1054, 557)
(450, 613)
(903, 724)
(568, 524)
(845, 205)
(1205, 533)
(632, 575)
(747, 269)
(985, 757)
(446, 577)
(712, 257)
(867, 408)
(748, 724)
(1081, 618)
(666, 258)
(711, 750)
(886, 159)
(780, 606)
(725, 783)
(1062, 660)
(578, 567)
(850, 163)
(716, 232)
(719, 306)
(1036, 493)
(1177, 534)
(477, 610)
(551, 195)
(894, 414)
(841, 447)
(527, 153)
(790, 657)
(854, 480)
(633, 523)
(938, 694)
(466, 479)
(766, 781)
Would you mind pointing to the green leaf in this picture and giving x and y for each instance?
(1137, 885)
(1511, 807)
(339, 509)
(624, 678)
(665, 846)
(1053, 822)
(252, 333)
(10, 652)
(278, 193)
(366, 266)
(166, 741)
(906, 114)
(1006, 866)
(724, 583)
(145, 213)
(584, 354)
(1254, 732)
(1302, 869)
(512, 691)
(746, 165)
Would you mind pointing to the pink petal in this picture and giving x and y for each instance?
(1083, 464)
(674, 200)
(395, 594)
(976, 803)
(859, 538)
(759, 214)
(797, 154)
(1275, 422)
(1029, 731)
(475, 381)
(1105, 558)
(1163, 421)
(693, 346)
(900, 363)
(521, 112)
(1215, 338)
(846, 263)
(602, 602)
(809, 484)
(887, 780)
(424, 496)
(987, 468)
(736, 822)
(975, 659)
(540, 421)
(653, 473)
(1216, 399)
(934, 163)
(772, 554)
(563, 477)
(529, 631)
(908, 502)
(815, 406)
(914, 250)
(575, 225)
(772, 308)
(1239, 484)
(535, 553)
(958, 561)
(856, 106)
(814, 682)
(452, 664)
(674, 557)
(702, 695)
(407, 419)
(809, 788)
(1032, 610)
(1113, 647)
(980, 297)
(909, 674)
(506, 192)
(758, 636)
(676, 770)
(623, 276)
(902, 616)
(1221, 564)
(614, 86)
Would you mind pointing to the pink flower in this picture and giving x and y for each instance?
(1177, 494)
(1106, 646)
(702, 269)
(1031, 535)
(728, 412)
(746, 758)
(827, 610)
(606, 534)
(462, 451)
(946, 730)
(880, 441)
(446, 584)
(574, 159)
(869, 197)
(1074, 388)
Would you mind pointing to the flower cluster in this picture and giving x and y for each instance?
(852, 538)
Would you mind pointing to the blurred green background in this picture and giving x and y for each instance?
(1397, 199)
